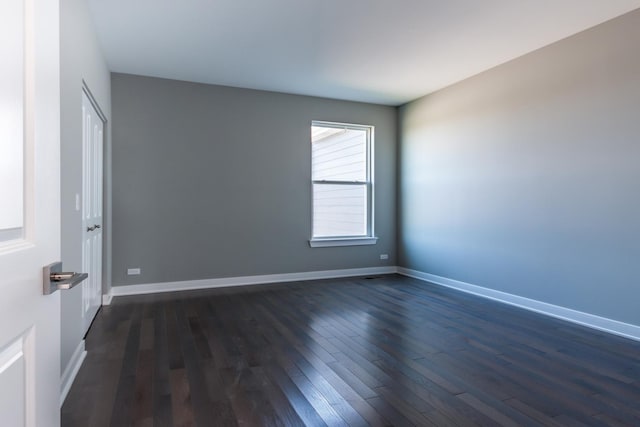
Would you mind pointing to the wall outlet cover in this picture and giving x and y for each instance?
(133, 271)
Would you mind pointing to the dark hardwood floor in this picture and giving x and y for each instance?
(351, 352)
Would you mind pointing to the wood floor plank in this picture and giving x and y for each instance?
(199, 393)
(296, 398)
(162, 413)
(277, 398)
(143, 403)
(181, 398)
(497, 416)
(121, 413)
(173, 341)
(397, 418)
(532, 413)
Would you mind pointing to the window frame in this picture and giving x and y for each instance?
(349, 240)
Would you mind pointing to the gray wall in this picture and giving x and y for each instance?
(525, 178)
(212, 182)
(80, 60)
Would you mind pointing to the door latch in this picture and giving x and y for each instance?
(54, 278)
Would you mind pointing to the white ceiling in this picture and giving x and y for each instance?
(380, 51)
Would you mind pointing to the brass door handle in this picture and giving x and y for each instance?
(94, 227)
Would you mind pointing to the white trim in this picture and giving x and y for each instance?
(106, 298)
(71, 371)
(14, 246)
(150, 288)
(347, 241)
(9, 234)
(11, 354)
(590, 320)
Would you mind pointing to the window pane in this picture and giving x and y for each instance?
(338, 154)
(339, 210)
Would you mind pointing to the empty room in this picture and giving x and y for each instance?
(291, 213)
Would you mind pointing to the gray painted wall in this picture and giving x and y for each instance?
(80, 60)
(525, 178)
(212, 182)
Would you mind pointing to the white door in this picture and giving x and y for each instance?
(92, 139)
(29, 212)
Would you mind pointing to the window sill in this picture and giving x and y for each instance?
(347, 241)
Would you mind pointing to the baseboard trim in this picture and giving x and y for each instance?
(150, 288)
(585, 319)
(70, 372)
(106, 298)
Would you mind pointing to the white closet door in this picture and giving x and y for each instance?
(92, 143)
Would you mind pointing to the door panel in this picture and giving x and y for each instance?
(13, 370)
(12, 47)
(30, 124)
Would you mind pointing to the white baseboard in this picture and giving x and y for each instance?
(71, 371)
(106, 298)
(150, 288)
(590, 320)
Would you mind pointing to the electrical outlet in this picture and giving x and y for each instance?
(133, 271)
(384, 256)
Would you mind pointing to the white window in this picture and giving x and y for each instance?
(341, 171)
